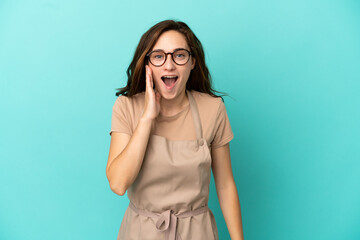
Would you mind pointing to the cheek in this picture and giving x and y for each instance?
(186, 73)
(156, 79)
(155, 74)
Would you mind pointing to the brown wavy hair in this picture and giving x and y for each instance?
(199, 79)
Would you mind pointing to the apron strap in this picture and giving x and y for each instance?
(195, 115)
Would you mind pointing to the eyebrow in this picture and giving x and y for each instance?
(172, 51)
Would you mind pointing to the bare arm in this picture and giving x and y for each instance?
(126, 152)
(126, 156)
(226, 191)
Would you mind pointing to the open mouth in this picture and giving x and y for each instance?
(169, 81)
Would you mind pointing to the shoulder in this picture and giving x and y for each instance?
(139, 97)
(214, 119)
(132, 102)
(128, 110)
(204, 97)
(211, 109)
(207, 102)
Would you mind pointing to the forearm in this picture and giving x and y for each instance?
(230, 206)
(124, 169)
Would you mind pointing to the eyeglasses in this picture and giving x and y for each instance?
(158, 57)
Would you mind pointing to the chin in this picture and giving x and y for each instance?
(169, 95)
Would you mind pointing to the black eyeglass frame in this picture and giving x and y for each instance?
(166, 54)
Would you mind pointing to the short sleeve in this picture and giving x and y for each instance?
(120, 121)
(223, 132)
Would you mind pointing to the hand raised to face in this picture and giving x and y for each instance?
(152, 97)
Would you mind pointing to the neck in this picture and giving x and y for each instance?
(173, 106)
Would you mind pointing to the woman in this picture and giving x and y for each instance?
(168, 131)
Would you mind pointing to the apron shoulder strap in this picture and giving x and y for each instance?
(195, 115)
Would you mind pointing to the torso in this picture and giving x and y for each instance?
(179, 126)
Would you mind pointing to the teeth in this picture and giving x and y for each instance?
(169, 76)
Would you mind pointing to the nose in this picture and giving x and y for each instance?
(169, 63)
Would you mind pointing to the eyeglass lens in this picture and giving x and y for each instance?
(180, 57)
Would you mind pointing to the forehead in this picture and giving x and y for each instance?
(170, 40)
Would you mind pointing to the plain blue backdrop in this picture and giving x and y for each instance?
(290, 67)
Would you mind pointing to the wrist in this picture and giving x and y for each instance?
(146, 120)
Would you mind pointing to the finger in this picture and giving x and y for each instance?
(150, 77)
(147, 77)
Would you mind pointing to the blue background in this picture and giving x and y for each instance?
(290, 67)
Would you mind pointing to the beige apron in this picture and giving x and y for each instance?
(168, 199)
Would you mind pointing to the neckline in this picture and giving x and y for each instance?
(195, 115)
(161, 117)
(182, 109)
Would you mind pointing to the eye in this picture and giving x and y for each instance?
(158, 56)
(180, 54)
